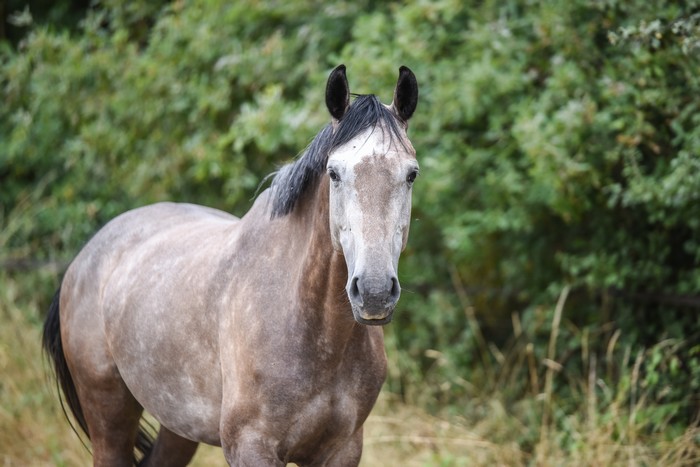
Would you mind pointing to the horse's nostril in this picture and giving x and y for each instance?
(395, 288)
(354, 290)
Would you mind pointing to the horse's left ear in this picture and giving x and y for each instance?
(405, 94)
(337, 93)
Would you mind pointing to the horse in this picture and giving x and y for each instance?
(262, 335)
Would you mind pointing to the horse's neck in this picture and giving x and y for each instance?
(321, 288)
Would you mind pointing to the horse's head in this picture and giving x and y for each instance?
(371, 178)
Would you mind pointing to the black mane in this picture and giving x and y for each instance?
(292, 180)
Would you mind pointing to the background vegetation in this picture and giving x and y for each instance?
(552, 280)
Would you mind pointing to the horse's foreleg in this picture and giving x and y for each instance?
(170, 450)
(348, 455)
(250, 450)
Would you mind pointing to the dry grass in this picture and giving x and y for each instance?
(34, 432)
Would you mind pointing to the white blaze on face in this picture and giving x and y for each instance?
(370, 209)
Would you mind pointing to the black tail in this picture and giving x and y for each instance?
(53, 346)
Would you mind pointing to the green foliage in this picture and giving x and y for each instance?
(96, 125)
(559, 144)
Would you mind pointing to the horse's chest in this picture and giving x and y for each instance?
(325, 421)
(321, 416)
(305, 405)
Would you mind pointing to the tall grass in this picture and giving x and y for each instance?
(611, 417)
(32, 429)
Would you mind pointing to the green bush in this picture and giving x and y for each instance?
(559, 145)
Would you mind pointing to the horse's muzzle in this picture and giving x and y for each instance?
(373, 298)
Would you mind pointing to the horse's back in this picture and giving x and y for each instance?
(132, 238)
(140, 300)
(134, 228)
(162, 217)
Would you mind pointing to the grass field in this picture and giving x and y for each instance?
(34, 432)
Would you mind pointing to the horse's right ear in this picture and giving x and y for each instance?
(337, 93)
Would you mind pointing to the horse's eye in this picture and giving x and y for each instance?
(412, 176)
(334, 176)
